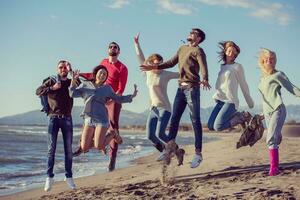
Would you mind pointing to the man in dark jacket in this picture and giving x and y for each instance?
(60, 107)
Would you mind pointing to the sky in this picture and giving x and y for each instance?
(35, 34)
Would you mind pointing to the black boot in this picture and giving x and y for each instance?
(112, 164)
(159, 147)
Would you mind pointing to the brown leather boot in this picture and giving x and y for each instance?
(180, 155)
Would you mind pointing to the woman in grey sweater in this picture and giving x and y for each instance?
(274, 110)
(95, 94)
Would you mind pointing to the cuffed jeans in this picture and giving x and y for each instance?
(220, 116)
(187, 96)
(157, 122)
(274, 122)
(66, 126)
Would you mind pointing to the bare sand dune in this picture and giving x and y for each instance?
(226, 173)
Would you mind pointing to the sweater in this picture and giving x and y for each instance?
(95, 99)
(270, 89)
(157, 83)
(190, 61)
(229, 78)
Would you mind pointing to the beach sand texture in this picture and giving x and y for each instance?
(225, 173)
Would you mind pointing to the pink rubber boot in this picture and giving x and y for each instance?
(274, 161)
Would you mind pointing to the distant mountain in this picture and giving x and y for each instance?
(36, 117)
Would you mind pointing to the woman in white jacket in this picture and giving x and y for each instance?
(231, 75)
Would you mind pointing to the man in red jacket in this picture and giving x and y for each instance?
(117, 79)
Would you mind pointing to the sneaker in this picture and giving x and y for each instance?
(180, 155)
(48, 184)
(70, 183)
(162, 156)
(196, 160)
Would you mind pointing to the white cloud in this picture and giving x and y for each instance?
(117, 4)
(176, 8)
(273, 11)
(257, 9)
(229, 3)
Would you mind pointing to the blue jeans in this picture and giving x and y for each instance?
(220, 116)
(274, 122)
(66, 126)
(157, 122)
(187, 96)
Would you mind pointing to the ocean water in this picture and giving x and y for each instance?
(23, 156)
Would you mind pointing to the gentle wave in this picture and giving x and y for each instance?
(21, 174)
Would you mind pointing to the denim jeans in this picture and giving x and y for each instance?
(66, 127)
(157, 122)
(274, 122)
(220, 116)
(187, 96)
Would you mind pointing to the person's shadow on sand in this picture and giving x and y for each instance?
(285, 168)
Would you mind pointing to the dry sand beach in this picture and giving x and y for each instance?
(226, 173)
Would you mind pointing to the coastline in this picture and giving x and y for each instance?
(225, 173)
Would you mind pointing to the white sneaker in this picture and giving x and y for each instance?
(48, 184)
(71, 183)
(162, 156)
(196, 160)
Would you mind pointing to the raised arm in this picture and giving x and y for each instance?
(74, 89)
(138, 49)
(244, 86)
(285, 83)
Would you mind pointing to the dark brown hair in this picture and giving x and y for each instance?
(224, 45)
(95, 71)
(200, 34)
(153, 57)
(114, 44)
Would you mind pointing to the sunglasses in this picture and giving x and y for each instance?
(113, 47)
(194, 32)
(62, 67)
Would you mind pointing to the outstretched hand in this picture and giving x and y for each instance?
(75, 76)
(145, 67)
(205, 85)
(135, 91)
(136, 38)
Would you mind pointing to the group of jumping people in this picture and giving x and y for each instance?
(102, 92)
